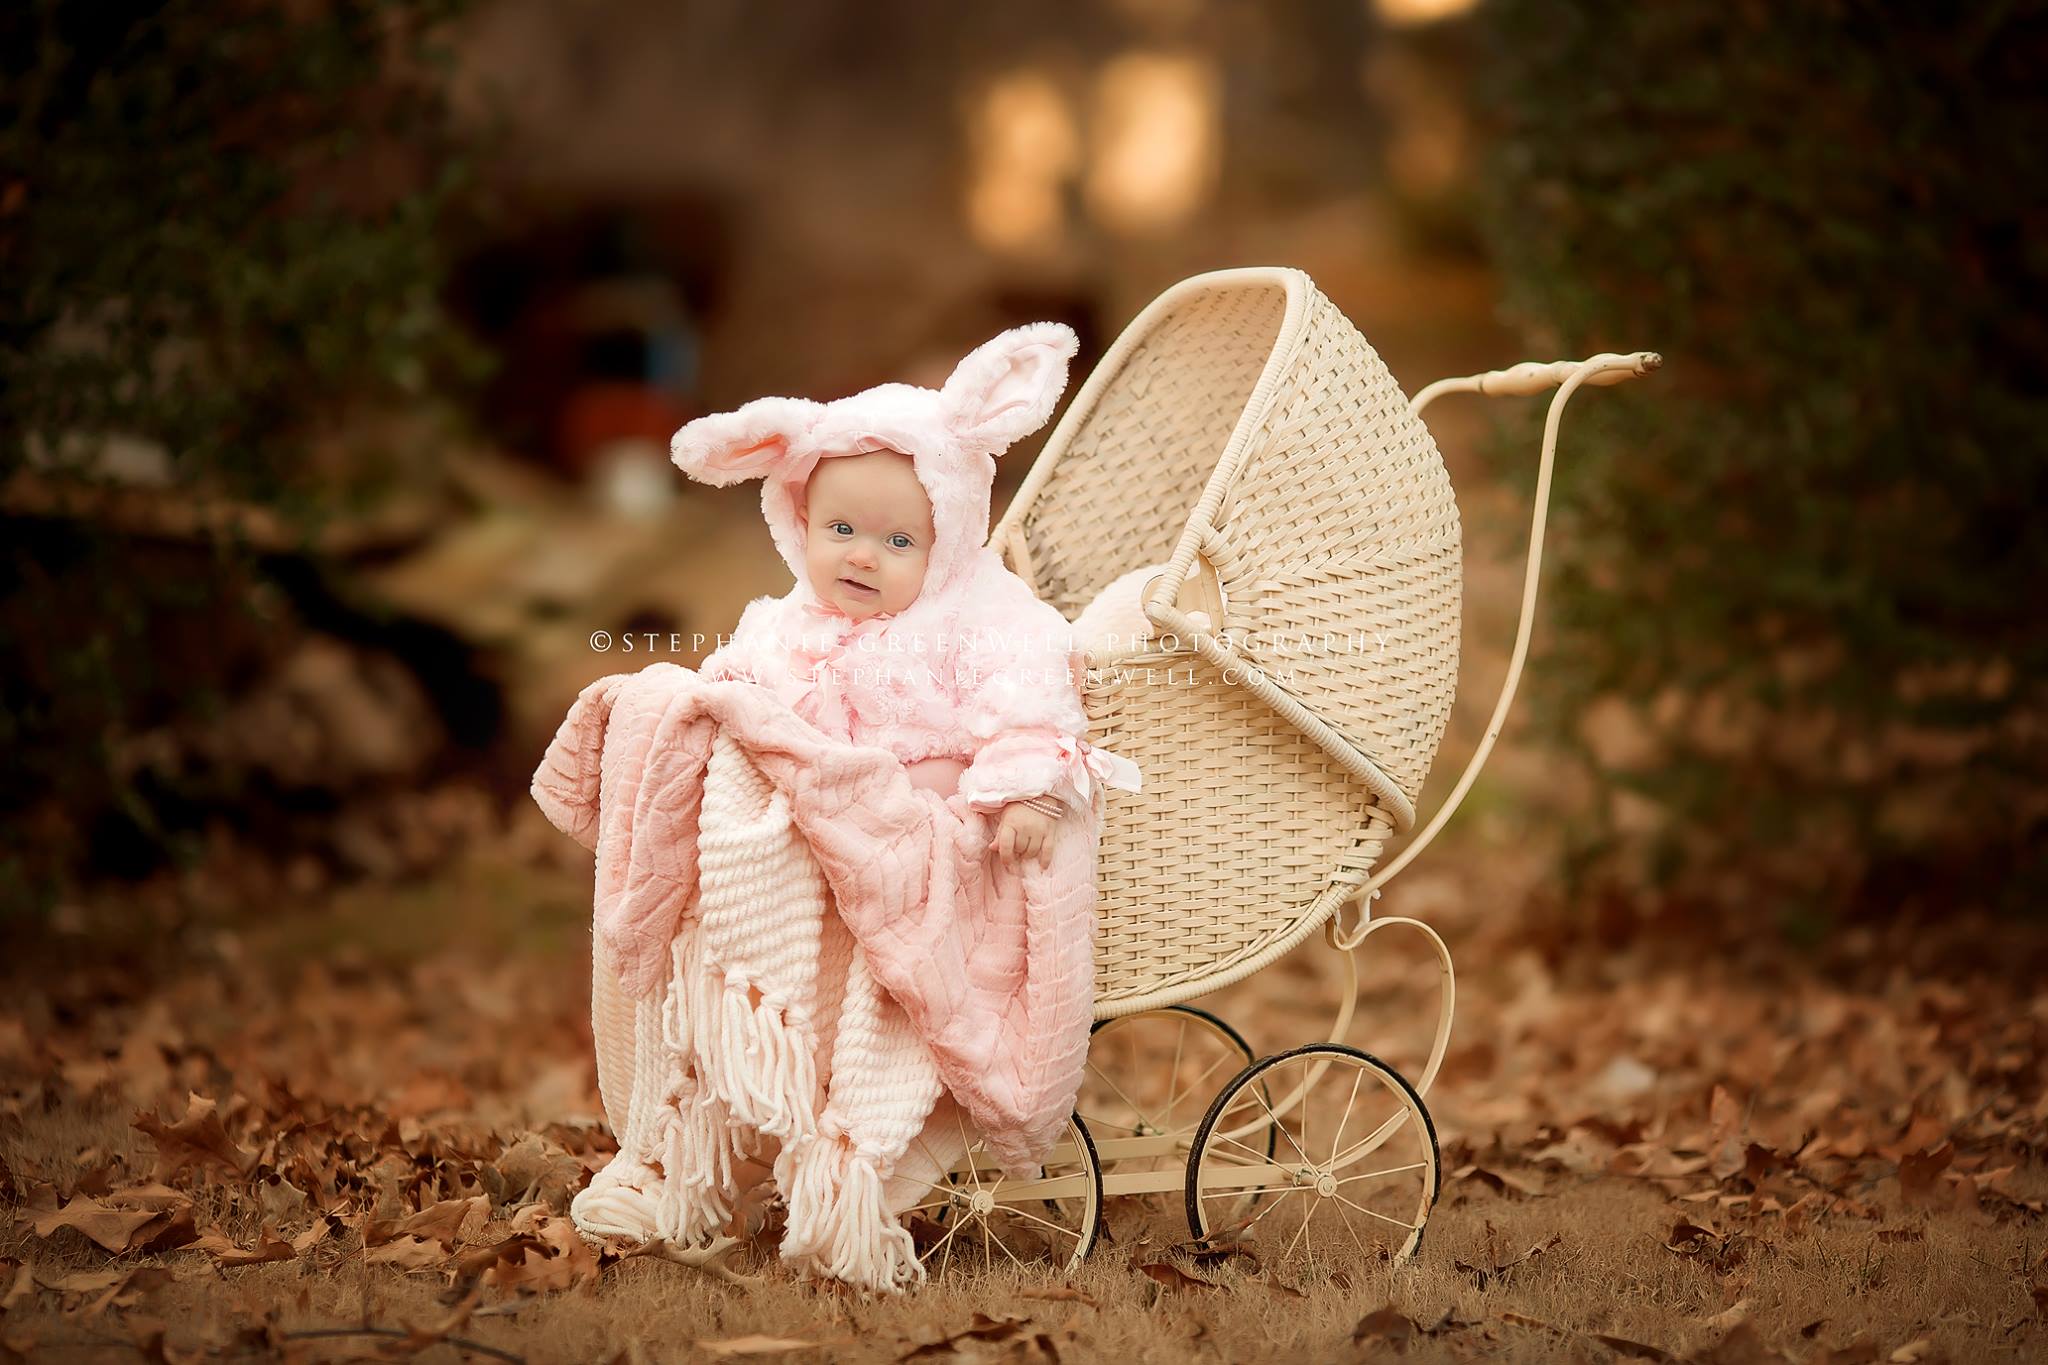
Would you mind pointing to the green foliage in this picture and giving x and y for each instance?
(220, 229)
(223, 232)
(1803, 554)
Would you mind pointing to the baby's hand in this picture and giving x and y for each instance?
(1024, 833)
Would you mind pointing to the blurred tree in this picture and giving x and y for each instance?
(1795, 626)
(222, 232)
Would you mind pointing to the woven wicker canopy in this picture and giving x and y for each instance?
(1243, 432)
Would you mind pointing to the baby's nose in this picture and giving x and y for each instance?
(862, 556)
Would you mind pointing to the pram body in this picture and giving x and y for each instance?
(1285, 714)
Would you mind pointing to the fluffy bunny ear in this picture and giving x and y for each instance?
(1006, 387)
(747, 443)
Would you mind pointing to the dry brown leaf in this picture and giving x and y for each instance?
(1172, 1276)
(1524, 1320)
(269, 1247)
(1486, 1275)
(981, 1328)
(199, 1138)
(1741, 1346)
(447, 1222)
(1635, 1349)
(113, 1229)
(1919, 1172)
(1728, 1318)
(757, 1346)
(407, 1253)
(1395, 1329)
(135, 1282)
(1494, 1180)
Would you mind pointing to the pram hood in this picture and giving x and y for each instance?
(1002, 391)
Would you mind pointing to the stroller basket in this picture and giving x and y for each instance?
(1243, 432)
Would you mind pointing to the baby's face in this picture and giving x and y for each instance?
(869, 532)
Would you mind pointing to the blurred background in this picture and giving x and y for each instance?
(343, 340)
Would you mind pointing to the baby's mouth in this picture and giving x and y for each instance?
(861, 589)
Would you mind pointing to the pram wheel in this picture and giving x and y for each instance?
(1149, 1080)
(977, 1217)
(1355, 1173)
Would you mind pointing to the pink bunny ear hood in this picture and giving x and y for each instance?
(1003, 390)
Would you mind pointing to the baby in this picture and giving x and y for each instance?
(904, 630)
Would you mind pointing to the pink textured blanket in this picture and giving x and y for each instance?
(994, 968)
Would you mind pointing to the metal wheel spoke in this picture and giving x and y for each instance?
(1042, 1222)
(1352, 1230)
(1135, 1109)
(1173, 1070)
(1209, 1071)
(1306, 1143)
(1366, 1144)
(1381, 1216)
(1338, 1141)
(1308, 1216)
(1277, 1202)
(973, 1168)
(950, 1234)
(1257, 1156)
(1306, 1159)
(1391, 1170)
(1002, 1245)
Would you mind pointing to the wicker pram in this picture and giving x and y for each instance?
(1243, 433)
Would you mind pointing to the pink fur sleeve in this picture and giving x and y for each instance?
(1026, 711)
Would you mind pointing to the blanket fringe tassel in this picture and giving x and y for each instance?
(838, 1225)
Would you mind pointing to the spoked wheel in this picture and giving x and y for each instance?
(975, 1217)
(1355, 1173)
(1149, 1080)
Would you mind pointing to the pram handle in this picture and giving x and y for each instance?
(1536, 376)
(1527, 378)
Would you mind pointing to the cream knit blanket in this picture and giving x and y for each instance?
(697, 1071)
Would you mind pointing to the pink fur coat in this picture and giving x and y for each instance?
(976, 669)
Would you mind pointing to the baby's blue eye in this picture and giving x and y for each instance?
(842, 528)
(900, 541)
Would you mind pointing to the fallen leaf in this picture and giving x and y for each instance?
(408, 1253)
(113, 1229)
(199, 1138)
(1486, 1275)
(757, 1346)
(1730, 1317)
(1637, 1349)
(446, 1222)
(1387, 1325)
(980, 1328)
(1494, 1180)
(269, 1247)
(1918, 1171)
(1172, 1276)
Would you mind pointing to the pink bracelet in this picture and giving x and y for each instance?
(1045, 805)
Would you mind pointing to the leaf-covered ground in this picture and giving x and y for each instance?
(350, 1130)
